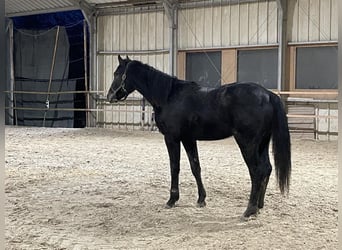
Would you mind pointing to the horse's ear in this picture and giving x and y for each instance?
(128, 59)
(120, 60)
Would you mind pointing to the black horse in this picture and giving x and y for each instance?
(186, 112)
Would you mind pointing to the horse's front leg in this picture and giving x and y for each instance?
(191, 150)
(173, 148)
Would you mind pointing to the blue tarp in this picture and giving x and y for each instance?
(73, 22)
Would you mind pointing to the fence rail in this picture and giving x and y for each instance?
(306, 115)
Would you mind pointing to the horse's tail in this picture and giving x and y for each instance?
(281, 144)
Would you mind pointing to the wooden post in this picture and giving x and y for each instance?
(51, 74)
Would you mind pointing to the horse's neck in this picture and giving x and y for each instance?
(146, 81)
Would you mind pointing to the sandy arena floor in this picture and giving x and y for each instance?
(106, 189)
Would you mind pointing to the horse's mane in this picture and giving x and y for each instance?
(162, 85)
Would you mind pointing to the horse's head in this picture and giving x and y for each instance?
(120, 89)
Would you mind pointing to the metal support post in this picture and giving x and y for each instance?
(171, 10)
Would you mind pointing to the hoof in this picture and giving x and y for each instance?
(245, 219)
(170, 205)
(251, 211)
(201, 204)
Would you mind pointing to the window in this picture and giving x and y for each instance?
(204, 68)
(260, 66)
(316, 67)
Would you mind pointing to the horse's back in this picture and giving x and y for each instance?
(212, 114)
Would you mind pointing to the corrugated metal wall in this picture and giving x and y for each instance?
(130, 34)
(141, 36)
(312, 21)
(228, 26)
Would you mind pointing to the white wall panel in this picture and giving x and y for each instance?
(325, 19)
(262, 22)
(144, 31)
(234, 24)
(312, 20)
(252, 23)
(208, 27)
(243, 27)
(334, 18)
(225, 27)
(159, 30)
(130, 34)
(114, 33)
(216, 27)
(303, 20)
(199, 27)
(137, 32)
(272, 23)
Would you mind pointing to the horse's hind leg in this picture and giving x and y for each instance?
(258, 172)
(263, 191)
(267, 168)
(191, 150)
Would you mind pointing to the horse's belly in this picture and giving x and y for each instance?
(211, 131)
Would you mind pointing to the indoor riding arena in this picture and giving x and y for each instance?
(86, 173)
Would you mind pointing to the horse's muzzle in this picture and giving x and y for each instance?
(111, 97)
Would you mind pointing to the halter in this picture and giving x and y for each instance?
(122, 84)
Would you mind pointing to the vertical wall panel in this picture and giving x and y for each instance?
(144, 31)
(159, 63)
(292, 22)
(244, 24)
(130, 32)
(199, 27)
(152, 30)
(101, 76)
(159, 30)
(151, 60)
(272, 25)
(100, 29)
(325, 19)
(208, 27)
(303, 21)
(253, 23)
(234, 24)
(108, 27)
(225, 27)
(166, 62)
(114, 33)
(123, 32)
(217, 23)
(191, 17)
(262, 22)
(334, 17)
(137, 32)
(182, 29)
(166, 33)
(314, 20)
